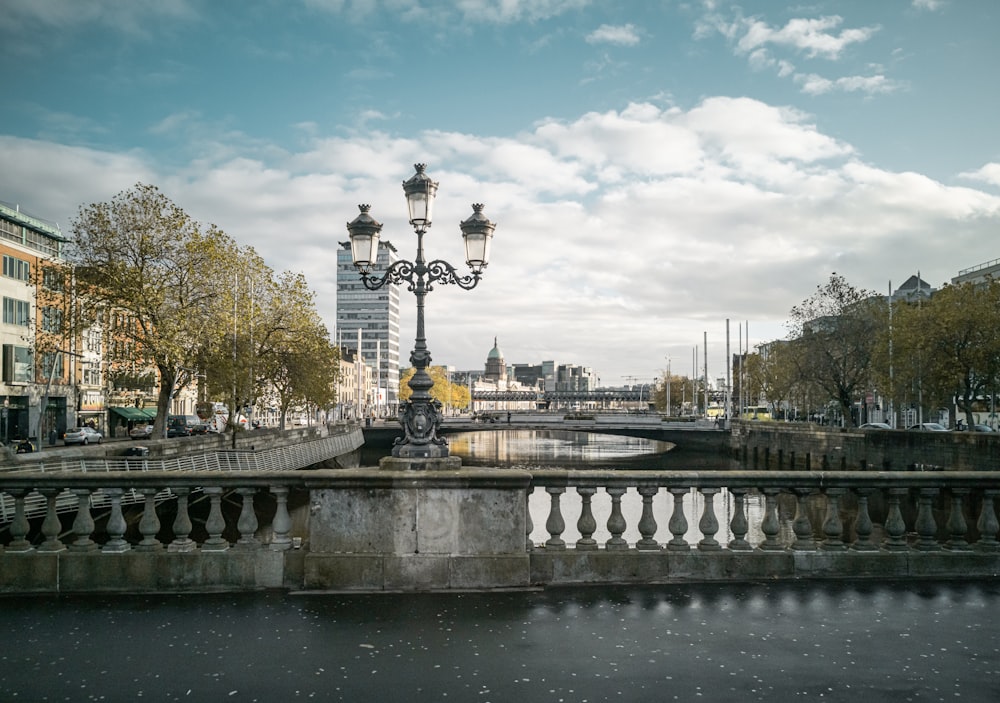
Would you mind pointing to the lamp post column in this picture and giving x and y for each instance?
(421, 414)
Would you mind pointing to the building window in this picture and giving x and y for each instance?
(16, 312)
(52, 364)
(91, 374)
(14, 267)
(53, 280)
(16, 364)
(52, 319)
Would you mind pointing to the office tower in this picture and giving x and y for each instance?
(376, 315)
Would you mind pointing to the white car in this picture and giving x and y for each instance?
(929, 426)
(82, 435)
(141, 432)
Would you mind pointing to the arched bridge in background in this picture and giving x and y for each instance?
(694, 435)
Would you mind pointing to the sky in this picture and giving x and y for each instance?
(655, 168)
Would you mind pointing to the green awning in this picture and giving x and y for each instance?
(136, 414)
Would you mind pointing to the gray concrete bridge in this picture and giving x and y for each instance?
(697, 435)
(244, 527)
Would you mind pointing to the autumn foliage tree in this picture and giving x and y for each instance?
(184, 298)
(833, 338)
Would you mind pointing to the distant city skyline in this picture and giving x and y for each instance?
(654, 168)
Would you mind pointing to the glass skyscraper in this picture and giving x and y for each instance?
(376, 315)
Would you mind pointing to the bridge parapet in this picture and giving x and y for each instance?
(459, 529)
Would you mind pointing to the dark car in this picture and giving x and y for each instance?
(178, 430)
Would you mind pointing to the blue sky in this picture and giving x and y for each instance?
(655, 167)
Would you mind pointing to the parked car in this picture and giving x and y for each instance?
(929, 427)
(141, 432)
(876, 426)
(82, 435)
(182, 425)
(982, 428)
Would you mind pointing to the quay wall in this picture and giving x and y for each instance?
(808, 447)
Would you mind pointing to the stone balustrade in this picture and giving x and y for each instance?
(374, 529)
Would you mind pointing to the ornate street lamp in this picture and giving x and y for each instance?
(420, 416)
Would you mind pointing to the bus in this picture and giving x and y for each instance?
(756, 412)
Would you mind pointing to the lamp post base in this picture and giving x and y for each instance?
(445, 463)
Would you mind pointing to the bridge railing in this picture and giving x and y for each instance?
(795, 511)
(280, 455)
(686, 525)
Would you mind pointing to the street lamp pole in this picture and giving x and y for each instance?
(421, 415)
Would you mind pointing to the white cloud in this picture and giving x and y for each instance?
(813, 84)
(810, 36)
(21, 16)
(622, 235)
(990, 173)
(624, 35)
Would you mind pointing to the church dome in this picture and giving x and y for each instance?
(495, 352)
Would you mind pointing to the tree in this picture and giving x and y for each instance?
(771, 373)
(271, 342)
(450, 394)
(142, 261)
(948, 346)
(834, 335)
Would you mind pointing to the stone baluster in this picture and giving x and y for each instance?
(958, 528)
(895, 527)
(247, 523)
(770, 525)
(586, 525)
(555, 525)
(801, 525)
(216, 523)
(709, 523)
(83, 523)
(616, 521)
(863, 524)
(116, 523)
(678, 524)
(19, 526)
(281, 525)
(833, 526)
(529, 525)
(987, 523)
(647, 523)
(182, 541)
(149, 523)
(739, 525)
(51, 525)
(925, 525)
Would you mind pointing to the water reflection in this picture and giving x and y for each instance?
(550, 448)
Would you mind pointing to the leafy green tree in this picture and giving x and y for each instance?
(948, 346)
(271, 342)
(679, 390)
(834, 333)
(149, 267)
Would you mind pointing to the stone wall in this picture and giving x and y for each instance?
(808, 447)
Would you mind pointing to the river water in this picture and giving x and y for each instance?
(850, 642)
